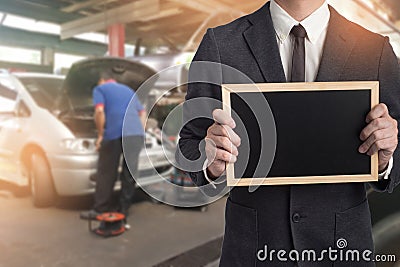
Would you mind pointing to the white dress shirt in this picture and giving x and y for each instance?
(316, 26)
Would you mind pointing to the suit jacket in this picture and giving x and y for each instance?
(299, 216)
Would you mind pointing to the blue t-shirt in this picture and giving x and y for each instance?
(115, 98)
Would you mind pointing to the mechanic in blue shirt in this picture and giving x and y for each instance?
(111, 100)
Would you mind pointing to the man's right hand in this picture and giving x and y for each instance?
(221, 143)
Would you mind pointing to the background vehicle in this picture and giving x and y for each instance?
(47, 132)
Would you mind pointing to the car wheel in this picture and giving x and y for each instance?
(41, 182)
(387, 239)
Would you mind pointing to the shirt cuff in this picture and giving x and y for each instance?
(385, 175)
(213, 183)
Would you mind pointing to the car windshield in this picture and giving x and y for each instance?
(44, 90)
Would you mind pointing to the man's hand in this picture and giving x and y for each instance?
(380, 135)
(100, 121)
(98, 142)
(221, 143)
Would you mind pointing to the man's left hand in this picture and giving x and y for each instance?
(98, 142)
(380, 135)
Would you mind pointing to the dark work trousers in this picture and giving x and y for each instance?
(107, 172)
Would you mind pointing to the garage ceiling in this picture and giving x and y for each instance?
(152, 22)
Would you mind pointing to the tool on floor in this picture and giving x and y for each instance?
(111, 224)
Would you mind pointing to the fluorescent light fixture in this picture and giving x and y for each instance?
(48, 27)
(93, 37)
(18, 22)
(29, 24)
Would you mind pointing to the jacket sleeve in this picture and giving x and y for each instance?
(203, 96)
(389, 80)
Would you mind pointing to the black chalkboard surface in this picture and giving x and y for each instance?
(298, 133)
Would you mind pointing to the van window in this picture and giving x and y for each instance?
(8, 96)
(44, 90)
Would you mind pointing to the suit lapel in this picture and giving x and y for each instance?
(261, 39)
(338, 46)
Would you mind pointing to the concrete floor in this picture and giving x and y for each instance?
(56, 236)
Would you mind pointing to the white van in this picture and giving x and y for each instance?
(47, 132)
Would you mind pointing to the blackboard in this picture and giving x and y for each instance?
(300, 133)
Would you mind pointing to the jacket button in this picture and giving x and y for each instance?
(296, 217)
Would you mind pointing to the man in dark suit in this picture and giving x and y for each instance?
(285, 41)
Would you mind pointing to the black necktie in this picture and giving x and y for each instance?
(299, 54)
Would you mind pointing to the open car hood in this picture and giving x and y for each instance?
(83, 77)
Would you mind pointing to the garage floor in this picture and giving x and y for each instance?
(57, 237)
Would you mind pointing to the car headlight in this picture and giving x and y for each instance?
(79, 145)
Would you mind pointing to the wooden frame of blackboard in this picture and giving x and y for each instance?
(227, 89)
